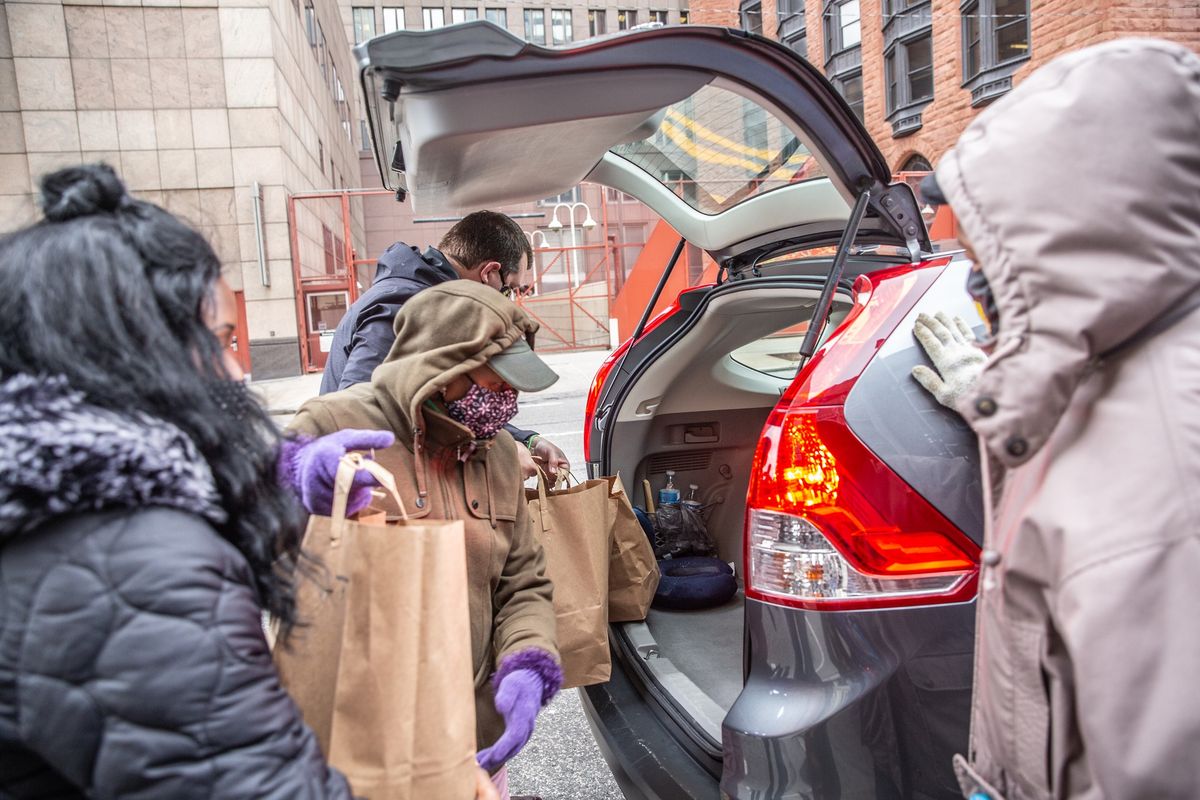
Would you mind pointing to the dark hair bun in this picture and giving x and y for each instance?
(80, 191)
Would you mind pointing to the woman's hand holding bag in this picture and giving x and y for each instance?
(310, 466)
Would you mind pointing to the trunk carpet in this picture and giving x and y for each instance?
(705, 645)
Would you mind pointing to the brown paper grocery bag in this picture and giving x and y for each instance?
(383, 672)
(573, 524)
(632, 571)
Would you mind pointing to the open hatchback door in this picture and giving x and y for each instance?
(732, 139)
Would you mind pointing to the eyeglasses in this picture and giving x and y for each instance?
(513, 292)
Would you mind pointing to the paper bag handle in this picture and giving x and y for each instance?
(348, 465)
(542, 501)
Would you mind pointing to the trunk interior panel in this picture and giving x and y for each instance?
(716, 666)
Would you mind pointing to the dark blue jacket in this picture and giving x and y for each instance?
(365, 335)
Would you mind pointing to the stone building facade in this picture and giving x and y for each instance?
(196, 103)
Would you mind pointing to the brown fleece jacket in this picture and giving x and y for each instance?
(442, 472)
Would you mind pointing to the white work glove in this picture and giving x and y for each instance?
(951, 346)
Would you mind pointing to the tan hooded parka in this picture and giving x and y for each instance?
(1080, 193)
(443, 472)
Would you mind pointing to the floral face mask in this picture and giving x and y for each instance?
(483, 411)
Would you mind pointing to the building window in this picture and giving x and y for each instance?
(850, 87)
(658, 16)
(750, 16)
(560, 26)
(310, 22)
(497, 15)
(626, 18)
(908, 69)
(684, 16)
(433, 18)
(535, 25)
(458, 15)
(843, 26)
(321, 155)
(393, 19)
(572, 195)
(792, 29)
(364, 24)
(596, 23)
(364, 133)
(892, 7)
(995, 37)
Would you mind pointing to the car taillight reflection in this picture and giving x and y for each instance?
(829, 525)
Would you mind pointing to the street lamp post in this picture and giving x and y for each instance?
(536, 266)
(587, 224)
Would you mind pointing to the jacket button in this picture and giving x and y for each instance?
(990, 558)
(985, 406)
(1016, 446)
(474, 504)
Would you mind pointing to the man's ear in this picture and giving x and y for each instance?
(487, 268)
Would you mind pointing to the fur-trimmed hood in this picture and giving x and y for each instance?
(59, 455)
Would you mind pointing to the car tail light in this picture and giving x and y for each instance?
(829, 525)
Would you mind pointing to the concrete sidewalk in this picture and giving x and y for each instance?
(284, 396)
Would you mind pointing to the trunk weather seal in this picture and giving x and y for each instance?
(601, 412)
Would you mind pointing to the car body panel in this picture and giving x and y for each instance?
(851, 704)
(931, 447)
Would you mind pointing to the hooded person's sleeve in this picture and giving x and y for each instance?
(372, 339)
(1129, 625)
(523, 597)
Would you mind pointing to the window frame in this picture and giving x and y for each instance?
(626, 18)
(397, 15)
(528, 16)
(993, 77)
(835, 27)
(357, 15)
(561, 18)
(465, 12)
(839, 84)
(597, 15)
(898, 72)
(427, 15)
(748, 11)
(500, 16)
(659, 15)
(685, 16)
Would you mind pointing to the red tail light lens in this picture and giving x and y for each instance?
(829, 525)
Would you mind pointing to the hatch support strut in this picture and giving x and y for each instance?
(825, 301)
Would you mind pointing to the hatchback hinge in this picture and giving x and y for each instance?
(897, 206)
(825, 301)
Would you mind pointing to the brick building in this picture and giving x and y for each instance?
(919, 70)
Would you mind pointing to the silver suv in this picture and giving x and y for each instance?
(847, 501)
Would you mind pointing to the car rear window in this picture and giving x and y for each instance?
(717, 148)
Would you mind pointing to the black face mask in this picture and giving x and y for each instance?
(981, 292)
(233, 397)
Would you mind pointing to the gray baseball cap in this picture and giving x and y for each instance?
(522, 369)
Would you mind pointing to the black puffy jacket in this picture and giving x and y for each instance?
(132, 657)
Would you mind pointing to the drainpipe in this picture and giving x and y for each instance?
(264, 274)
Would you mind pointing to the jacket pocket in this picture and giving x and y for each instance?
(1030, 742)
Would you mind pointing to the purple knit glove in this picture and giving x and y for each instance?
(309, 467)
(525, 682)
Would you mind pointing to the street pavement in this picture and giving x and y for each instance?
(562, 761)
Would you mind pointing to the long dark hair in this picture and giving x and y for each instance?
(110, 292)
